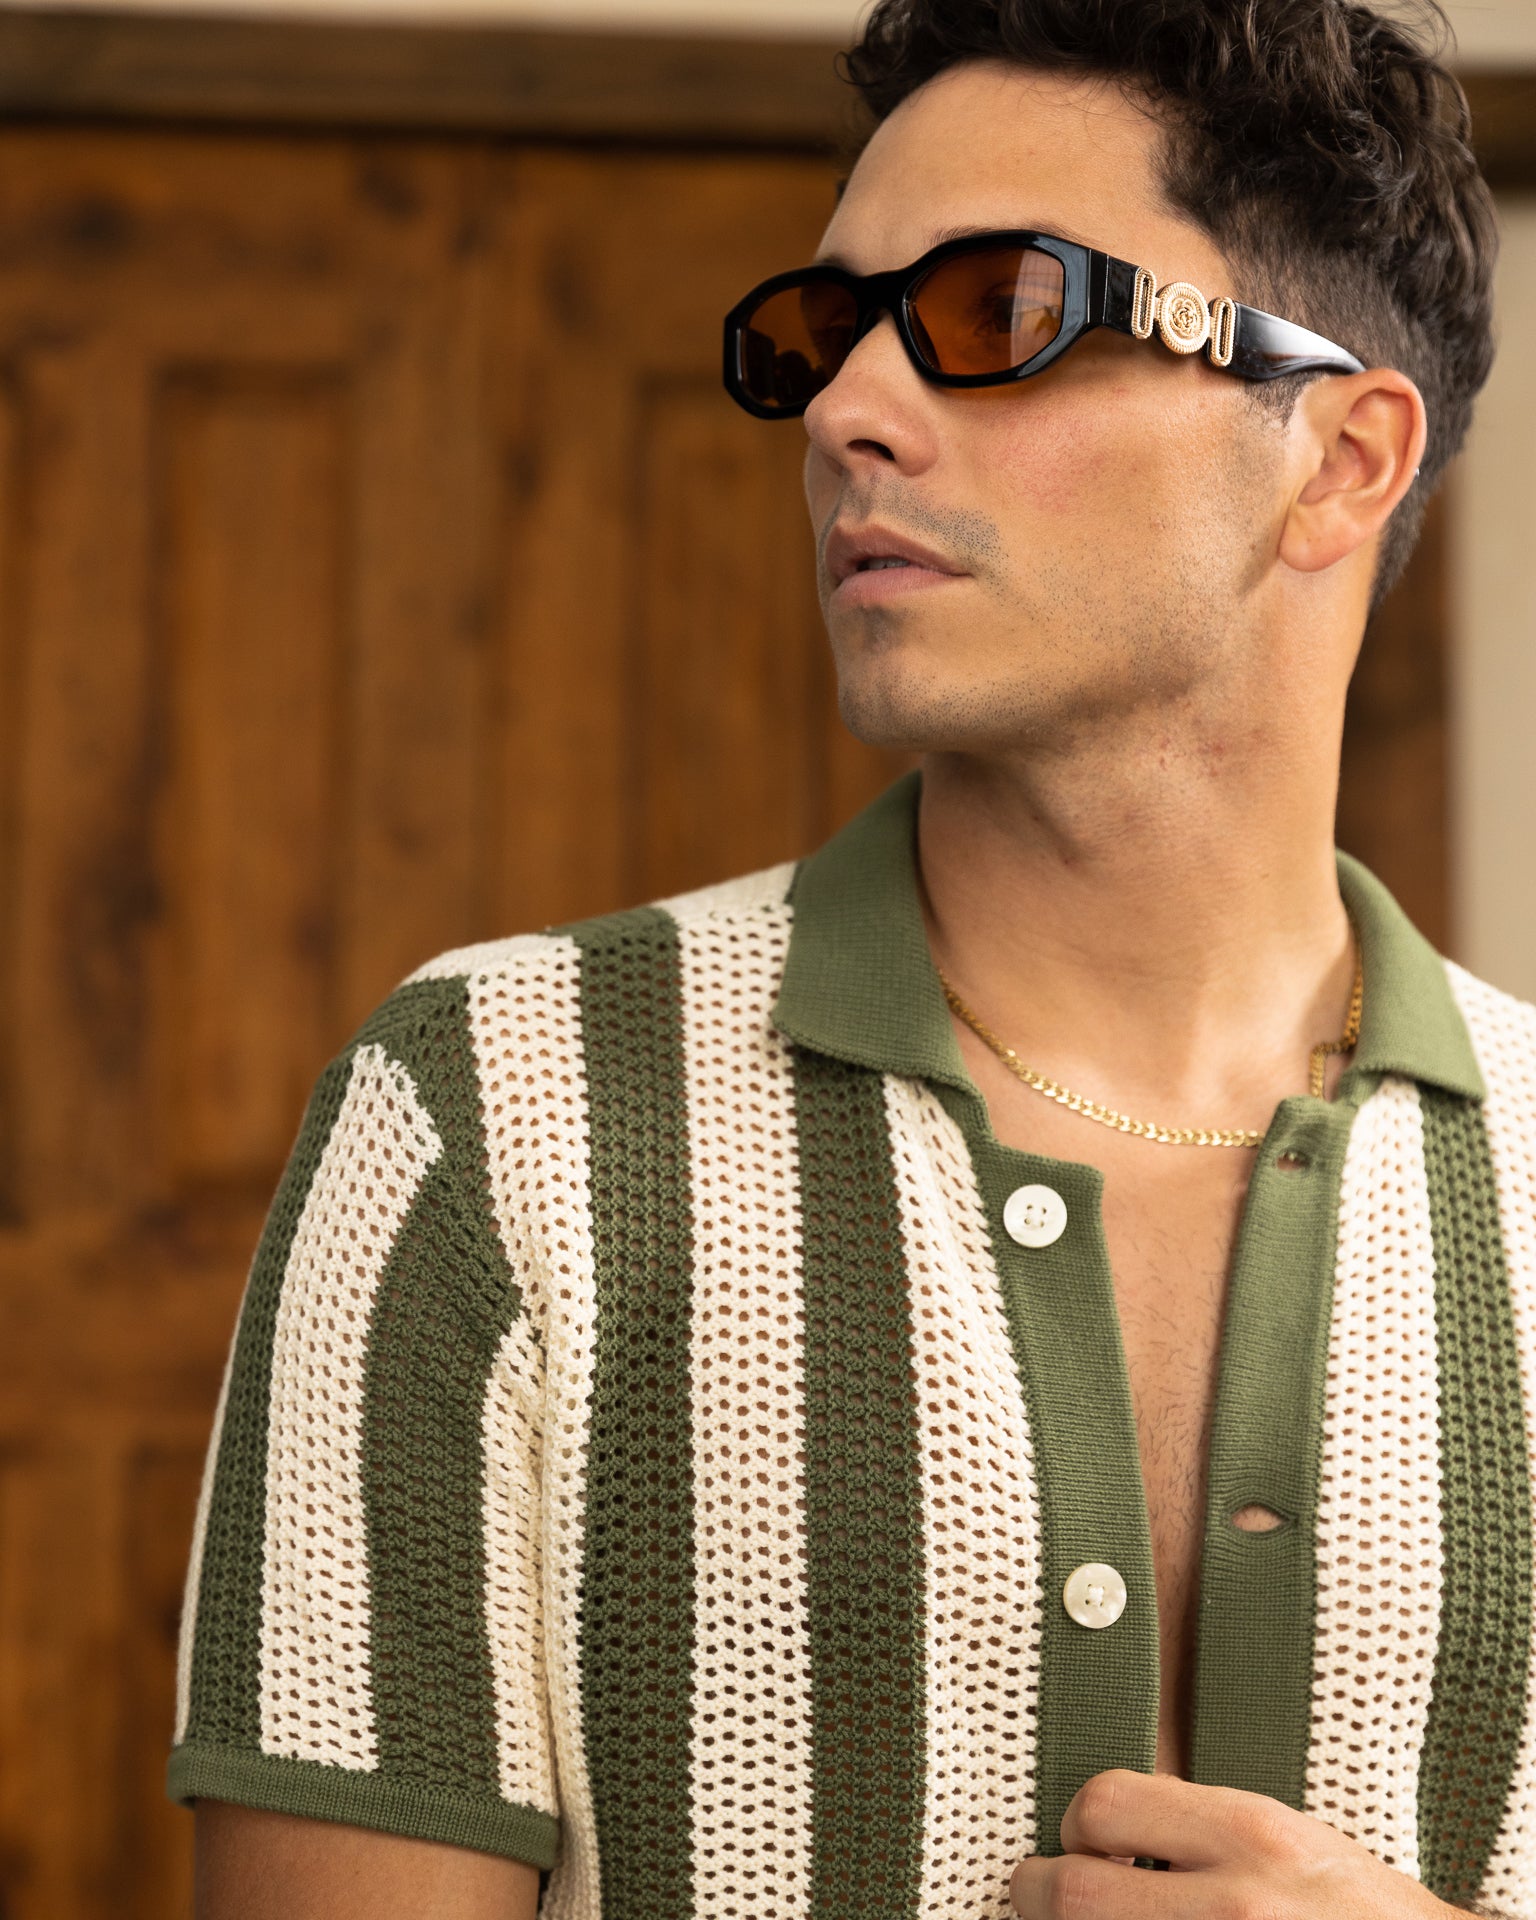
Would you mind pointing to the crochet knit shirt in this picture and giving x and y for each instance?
(654, 1448)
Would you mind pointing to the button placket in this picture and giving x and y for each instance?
(1058, 1293)
(1256, 1580)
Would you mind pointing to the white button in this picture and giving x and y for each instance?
(1035, 1216)
(1094, 1595)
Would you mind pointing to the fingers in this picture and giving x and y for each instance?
(1088, 1888)
(1158, 1817)
(1232, 1853)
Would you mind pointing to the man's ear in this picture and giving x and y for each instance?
(1359, 438)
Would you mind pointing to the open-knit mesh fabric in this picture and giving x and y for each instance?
(751, 1710)
(636, 1595)
(525, 1019)
(187, 1639)
(981, 1527)
(1378, 1525)
(1503, 1034)
(316, 1702)
(512, 1517)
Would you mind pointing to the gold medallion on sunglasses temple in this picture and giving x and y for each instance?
(1182, 317)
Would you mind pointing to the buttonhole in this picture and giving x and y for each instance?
(1255, 1518)
(1293, 1161)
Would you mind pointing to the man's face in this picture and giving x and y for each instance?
(1110, 524)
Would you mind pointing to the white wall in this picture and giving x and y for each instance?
(1493, 658)
(1491, 32)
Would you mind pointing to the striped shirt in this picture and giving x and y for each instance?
(645, 1452)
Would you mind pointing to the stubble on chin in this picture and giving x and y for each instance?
(1067, 657)
(879, 697)
(904, 686)
(1047, 672)
(891, 663)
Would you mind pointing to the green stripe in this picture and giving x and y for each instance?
(1258, 1591)
(357, 1799)
(445, 1301)
(1477, 1705)
(637, 1574)
(1098, 1686)
(226, 1649)
(863, 1505)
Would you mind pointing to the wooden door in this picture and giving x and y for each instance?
(1395, 779)
(381, 568)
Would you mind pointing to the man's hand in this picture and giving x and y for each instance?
(1233, 1855)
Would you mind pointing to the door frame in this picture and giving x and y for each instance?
(505, 78)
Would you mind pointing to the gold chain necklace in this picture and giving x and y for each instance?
(1149, 1129)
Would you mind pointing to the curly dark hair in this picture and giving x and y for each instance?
(1323, 147)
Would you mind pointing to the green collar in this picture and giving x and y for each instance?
(860, 983)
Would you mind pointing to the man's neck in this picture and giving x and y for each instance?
(1164, 924)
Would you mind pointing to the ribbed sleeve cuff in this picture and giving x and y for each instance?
(198, 1770)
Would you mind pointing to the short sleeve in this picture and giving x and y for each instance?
(362, 1638)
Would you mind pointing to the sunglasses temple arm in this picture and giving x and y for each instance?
(1111, 291)
(1268, 348)
(1264, 346)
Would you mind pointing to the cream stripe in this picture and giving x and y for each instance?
(981, 1526)
(1379, 1559)
(525, 1018)
(751, 1738)
(1503, 1034)
(511, 1429)
(195, 1560)
(524, 1012)
(315, 1629)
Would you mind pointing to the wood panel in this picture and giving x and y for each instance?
(83, 882)
(1395, 772)
(1504, 127)
(254, 514)
(60, 1674)
(12, 666)
(726, 742)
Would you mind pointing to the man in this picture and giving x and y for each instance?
(704, 1427)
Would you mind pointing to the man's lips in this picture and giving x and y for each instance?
(870, 563)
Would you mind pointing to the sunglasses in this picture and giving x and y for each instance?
(987, 310)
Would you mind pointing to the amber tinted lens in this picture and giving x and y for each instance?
(989, 311)
(796, 341)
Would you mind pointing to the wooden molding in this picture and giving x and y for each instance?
(456, 78)
(526, 83)
(1504, 127)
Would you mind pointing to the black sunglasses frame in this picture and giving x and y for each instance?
(1098, 291)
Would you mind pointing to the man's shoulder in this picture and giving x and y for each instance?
(533, 1004)
(742, 903)
(1502, 1028)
